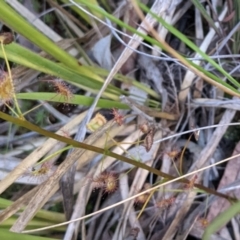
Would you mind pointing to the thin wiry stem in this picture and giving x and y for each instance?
(134, 196)
(194, 130)
(166, 58)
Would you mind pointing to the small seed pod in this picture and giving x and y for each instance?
(110, 182)
(118, 118)
(204, 222)
(6, 38)
(174, 154)
(190, 185)
(7, 90)
(148, 141)
(165, 203)
(141, 199)
(144, 197)
(144, 128)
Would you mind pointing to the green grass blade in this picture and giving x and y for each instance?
(221, 220)
(7, 235)
(76, 99)
(235, 21)
(51, 216)
(34, 223)
(82, 14)
(16, 22)
(155, 42)
(190, 44)
(20, 25)
(25, 57)
(201, 9)
(214, 77)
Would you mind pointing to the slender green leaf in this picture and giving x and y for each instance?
(234, 22)
(53, 217)
(189, 43)
(21, 26)
(205, 14)
(16, 22)
(76, 99)
(7, 235)
(221, 220)
(173, 31)
(25, 57)
(34, 223)
(82, 14)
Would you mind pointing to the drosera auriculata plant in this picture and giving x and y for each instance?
(108, 181)
(7, 88)
(61, 88)
(41, 171)
(118, 118)
(203, 222)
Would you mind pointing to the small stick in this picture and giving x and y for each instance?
(146, 112)
(135, 107)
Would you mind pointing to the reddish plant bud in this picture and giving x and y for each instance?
(190, 185)
(165, 203)
(118, 118)
(174, 154)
